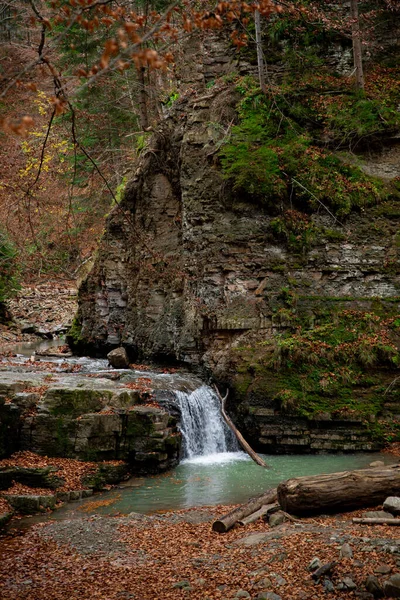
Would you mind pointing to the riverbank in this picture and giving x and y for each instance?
(176, 555)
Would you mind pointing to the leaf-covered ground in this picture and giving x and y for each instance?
(176, 555)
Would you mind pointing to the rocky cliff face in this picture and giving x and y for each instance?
(188, 271)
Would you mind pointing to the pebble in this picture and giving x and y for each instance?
(383, 570)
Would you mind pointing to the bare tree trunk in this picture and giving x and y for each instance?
(357, 49)
(260, 58)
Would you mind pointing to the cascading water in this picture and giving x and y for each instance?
(203, 429)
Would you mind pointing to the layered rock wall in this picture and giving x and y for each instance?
(187, 269)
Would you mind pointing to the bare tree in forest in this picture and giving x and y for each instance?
(357, 48)
(260, 56)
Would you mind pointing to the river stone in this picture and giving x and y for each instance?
(242, 594)
(118, 358)
(328, 585)
(279, 580)
(182, 585)
(392, 505)
(377, 463)
(276, 519)
(349, 583)
(391, 587)
(315, 564)
(268, 596)
(383, 569)
(264, 583)
(373, 586)
(377, 514)
(346, 551)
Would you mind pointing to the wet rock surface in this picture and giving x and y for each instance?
(89, 415)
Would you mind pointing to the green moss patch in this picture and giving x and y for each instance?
(342, 366)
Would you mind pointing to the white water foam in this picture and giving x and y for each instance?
(217, 459)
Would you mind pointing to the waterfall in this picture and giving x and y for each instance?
(204, 431)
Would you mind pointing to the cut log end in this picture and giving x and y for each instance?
(219, 527)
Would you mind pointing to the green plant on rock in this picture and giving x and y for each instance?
(272, 156)
(334, 365)
(295, 228)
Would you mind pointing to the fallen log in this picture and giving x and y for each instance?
(246, 447)
(266, 509)
(226, 522)
(376, 521)
(336, 492)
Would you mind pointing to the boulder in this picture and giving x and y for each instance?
(392, 505)
(118, 358)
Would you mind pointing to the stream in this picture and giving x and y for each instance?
(213, 470)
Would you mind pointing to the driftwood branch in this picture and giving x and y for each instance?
(226, 522)
(377, 521)
(264, 511)
(246, 447)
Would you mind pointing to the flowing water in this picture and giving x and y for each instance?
(203, 430)
(212, 470)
